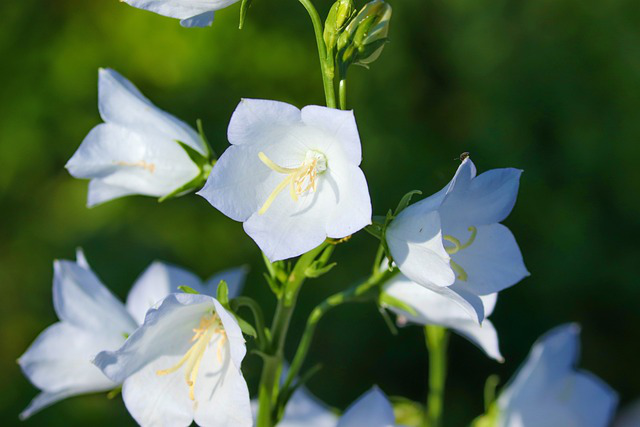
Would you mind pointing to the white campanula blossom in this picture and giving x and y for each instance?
(431, 308)
(135, 150)
(92, 319)
(372, 409)
(191, 13)
(291, 176)
(183, 365)
(549, 391)
(453, 243)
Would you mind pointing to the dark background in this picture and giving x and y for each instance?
(549, 86)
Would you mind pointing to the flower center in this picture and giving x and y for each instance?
(457, 247)
(209, 326)
(299, 180)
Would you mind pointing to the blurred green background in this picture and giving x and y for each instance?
(549, 86)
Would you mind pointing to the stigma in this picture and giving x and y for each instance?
(461, 274)
(300, 180)
(209, 327)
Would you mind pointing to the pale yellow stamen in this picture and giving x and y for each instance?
(141, 164)
(299, 180)
(457, 247)
(209, 326)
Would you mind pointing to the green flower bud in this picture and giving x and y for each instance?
(364, 37)
(339, 15)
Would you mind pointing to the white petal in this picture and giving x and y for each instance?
(121, 103)
(487, 199)
(289, 228)
(339, 125)
(101, 192)
(132, 161)
(221, 392)
(181, 9)
(81, 259)
(234, 335)
(234, 277)
(372, 410)
(82, 300)
(260, 121)
(167, 331)
(45, 399)
(202, 20)
(484, 336)
(155, 283)
(59, 360)
(415, 242)
(353, 210)
(303, 409)
(492, 262)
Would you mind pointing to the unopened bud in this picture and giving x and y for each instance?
(339, 16)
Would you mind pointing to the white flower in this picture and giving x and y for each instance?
(183, 364)
(431, 308)
(372, 409)
(549, 391)
(192, 13)
(136, 150)
(93, 320)
(291, 176)
(452, 242)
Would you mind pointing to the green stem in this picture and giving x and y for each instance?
(326, 63)
(269, 381)
(437, 340)
(356, 293)
(342, 89)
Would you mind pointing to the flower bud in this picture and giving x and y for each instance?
(339, 15)
(365, 36)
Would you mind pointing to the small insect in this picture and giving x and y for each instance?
(463, 156)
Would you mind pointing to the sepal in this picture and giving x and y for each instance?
(205, 165)
(244, 8)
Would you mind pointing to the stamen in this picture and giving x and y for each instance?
(457, 246)
(141, 164)
(301, 179)
(203, 334)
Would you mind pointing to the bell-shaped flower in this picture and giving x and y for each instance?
(191, 13)
(183, 364)
(453, 243)
(549, 391)
(140, 149)
(291, 176)
(92, 319)
(425, 307)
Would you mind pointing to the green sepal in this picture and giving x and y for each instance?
(386, 300)
(244, 8)
(114, 393)
(204, 164)
(388, 321)
(222, 294)
(490, 386)
(195, 156)
(404, 202)
(489, 419)
(246, 327)
(408, 413)
(317, 269)
(209, 151)
(274, 285)
(188, 290)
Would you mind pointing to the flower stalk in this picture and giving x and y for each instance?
(437, 340)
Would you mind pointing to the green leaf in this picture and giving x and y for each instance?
(244, 8)
(404, 202)
(223, 294)
(386, 300)
(188, 290)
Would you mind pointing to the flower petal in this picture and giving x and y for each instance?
(59, 360)
(261, 121)
(372, 410)
(155, 283)
(339, 125)
(132, 161)
(181, 9)
(353, 210)
(201, 21)
(82, 300)
(484, 336)
(234, 277)
(303, 409)
(415, 242)
(45, 399)
(121, 103)
(492, 262)
(167, 331)
(101, 192)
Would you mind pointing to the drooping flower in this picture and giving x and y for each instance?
(136, 150)
(192, 13)
(549, 391)
(453, 243)
(291, 176)
(183, 365)
(92, 319)
(431, 308)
